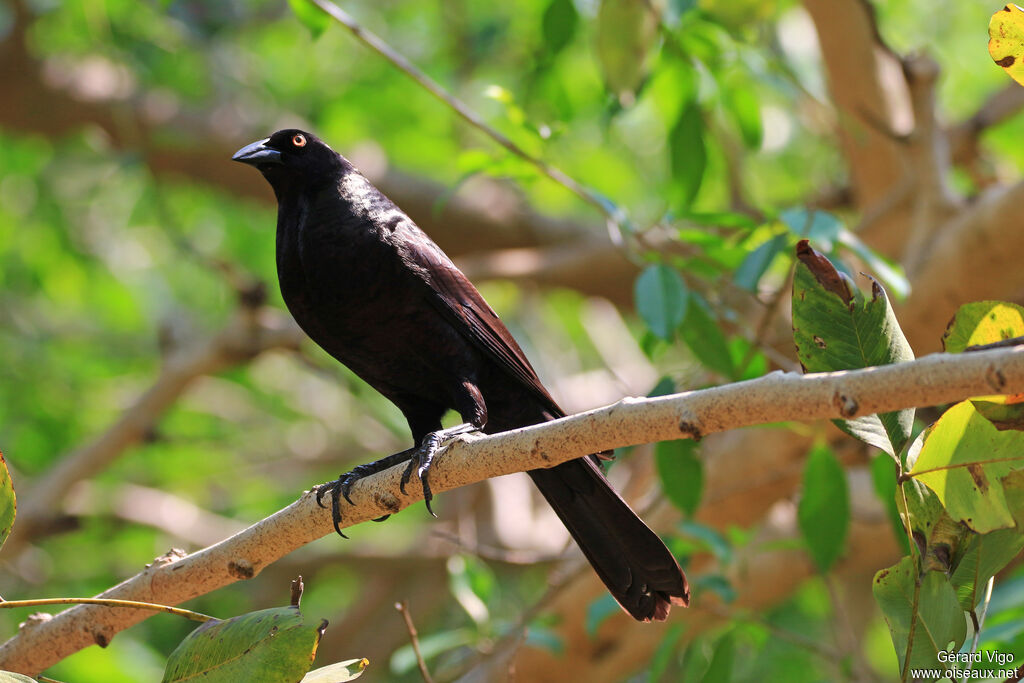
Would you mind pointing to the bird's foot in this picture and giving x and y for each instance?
(422, 458)
(342, 486)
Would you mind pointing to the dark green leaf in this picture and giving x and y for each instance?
(883, 478)
(559, 25)
(716, 583)
(688, 155)
(720, 669)
(983, 322)
(929, 611)
(661, 298)
(598, 611)
(269, 645)
(665, 386)
(311, 16)
(748, 275)
(983, 557)
(824, 509)
(836, 328)
(702, 334)
(667, 652)
(681, 473)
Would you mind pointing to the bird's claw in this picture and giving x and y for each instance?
(334, 488)
(423, 457)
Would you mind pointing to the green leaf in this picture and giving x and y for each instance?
(883, 479)
(756, 263)
(668, 649)
(963, 460)
(983, 557)
(824, 509)
(661, 298)
(836, 328)
(741, 102)
(8, 501)
(702, 334)
(923, 619)
(720, 668)
(559, 25)
(681, 473)
(431, 645)
(598, 611)
(708, 538)
(1006, 40)
(983, 322)
(820, 227)
(889, 273)
(688, 155)
(311, 16)
(461, 582)
(625, 33)
(348, 670)
(269, 645)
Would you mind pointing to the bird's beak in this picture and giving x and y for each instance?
(258, 154)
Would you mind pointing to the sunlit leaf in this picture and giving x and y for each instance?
(983, 322)
(722, 659)
(311, 16)
(963, 460)
(8, 501)
(1006, 40)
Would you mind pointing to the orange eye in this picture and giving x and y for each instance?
(299, 140)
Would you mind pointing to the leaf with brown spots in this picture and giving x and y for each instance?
(1006, 41)
(837, 327)
(964, 461)
(8, 501)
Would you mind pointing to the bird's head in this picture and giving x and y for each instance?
(291, 158)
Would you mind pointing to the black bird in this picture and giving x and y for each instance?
(367, 285)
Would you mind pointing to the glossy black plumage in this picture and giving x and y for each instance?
(367, 285)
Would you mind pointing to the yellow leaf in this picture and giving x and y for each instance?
(1006, 41)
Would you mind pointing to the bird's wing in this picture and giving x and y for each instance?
(459, 301)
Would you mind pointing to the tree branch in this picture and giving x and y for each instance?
(249, 333)
(936, 379)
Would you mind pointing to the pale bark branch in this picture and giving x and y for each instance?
(778, 397)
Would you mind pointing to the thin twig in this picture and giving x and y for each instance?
(403, 608)
(107, 602)
(371, 40)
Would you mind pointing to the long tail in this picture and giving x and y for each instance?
(634, 564)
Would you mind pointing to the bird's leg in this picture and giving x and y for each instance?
(424, 457)
(343, 484)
